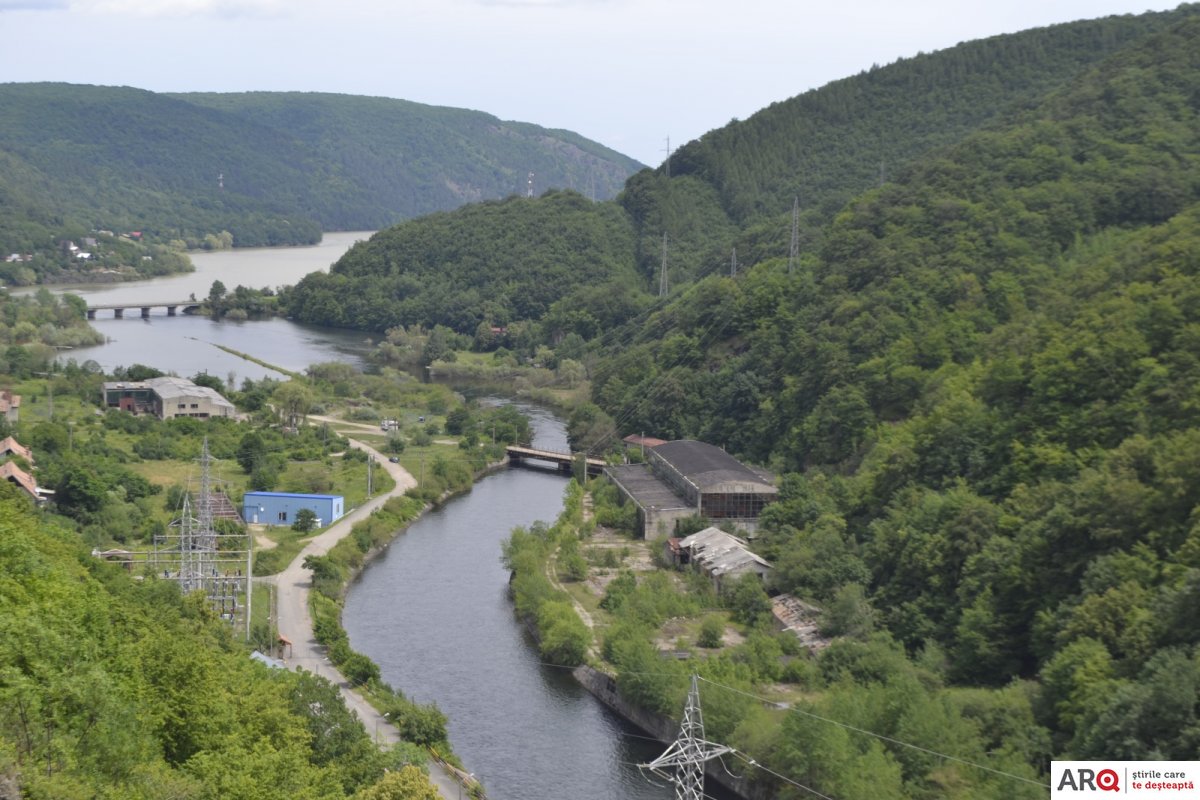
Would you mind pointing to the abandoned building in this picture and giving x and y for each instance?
(719, 555)
(166, 398)
(689, 478)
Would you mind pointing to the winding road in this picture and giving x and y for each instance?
(294, 621)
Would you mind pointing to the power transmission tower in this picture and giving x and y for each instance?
(529, 186)
(662, 275)
(794, 250)
(200, 558)
(733, 264)
(683, 762)
(667, 163)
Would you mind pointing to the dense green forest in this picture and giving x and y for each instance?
(978, 383)
(491, 263)
(981, 389)
(734, 187)
(260, 168)
(114, 689)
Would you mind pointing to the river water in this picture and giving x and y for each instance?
(186, 345)
(433, 610)
(434, 613)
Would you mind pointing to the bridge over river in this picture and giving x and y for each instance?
(563, 461)
(189, 306)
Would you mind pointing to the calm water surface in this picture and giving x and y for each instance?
(186, 345)
(434, 613)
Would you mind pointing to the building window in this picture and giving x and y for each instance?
(183, 405)
(195, 405)
(283, 516)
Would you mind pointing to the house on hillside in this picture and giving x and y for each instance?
(10, 405)
(11, 447)
(23, 481)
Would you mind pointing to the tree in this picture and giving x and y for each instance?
(293, 400)
(216, 292)
(407, 783)
(306, 520)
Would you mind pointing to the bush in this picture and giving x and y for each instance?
(712, 631)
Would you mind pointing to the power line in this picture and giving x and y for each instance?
(881, 736)
(783, 778)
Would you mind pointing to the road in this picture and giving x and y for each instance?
(294, 621)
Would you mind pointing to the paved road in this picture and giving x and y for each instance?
(294, 621)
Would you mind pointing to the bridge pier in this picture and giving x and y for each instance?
(145, 312)
(171, 311)
(91, 312)
(118, 313)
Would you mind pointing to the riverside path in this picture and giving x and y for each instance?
(294, 621)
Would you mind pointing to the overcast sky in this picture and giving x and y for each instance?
(627, 73)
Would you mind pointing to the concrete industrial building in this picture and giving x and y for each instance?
(280, 508)
(689, 478)
(167, 398)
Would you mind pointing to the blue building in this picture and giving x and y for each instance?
(280, 508)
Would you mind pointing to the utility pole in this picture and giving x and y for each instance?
(662, 276)
(667, 163)
(370, 464)
(688, 753)
(794, 250)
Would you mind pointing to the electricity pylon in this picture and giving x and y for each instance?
(688, 753)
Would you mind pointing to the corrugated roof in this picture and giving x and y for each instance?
(172, 387)
(706, 465)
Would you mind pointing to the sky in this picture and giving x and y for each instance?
(631, 74)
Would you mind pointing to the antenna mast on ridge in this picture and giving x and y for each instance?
(529, 186)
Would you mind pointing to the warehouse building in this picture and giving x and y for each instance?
(689, 478)
(280, 508)
(167, 398)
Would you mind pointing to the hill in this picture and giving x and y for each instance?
(116, 688)
(980, 389)
(266, 168)
(734, 187)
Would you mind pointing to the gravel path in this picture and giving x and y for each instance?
(294, 621)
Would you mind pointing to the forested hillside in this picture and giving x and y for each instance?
(734, 187)
(116, 689)
(982, 391)
(490, 263)
(266, 168)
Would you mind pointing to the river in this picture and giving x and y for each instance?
(186, 345)
(433, 611)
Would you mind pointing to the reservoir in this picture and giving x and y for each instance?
(433, 612)
(186, 345)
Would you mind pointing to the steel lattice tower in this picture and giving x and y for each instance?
(201, 559)
(689, 752)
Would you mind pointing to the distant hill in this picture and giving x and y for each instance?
(268, 168)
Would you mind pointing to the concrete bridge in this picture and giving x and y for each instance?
(189, 307)
(563, 461)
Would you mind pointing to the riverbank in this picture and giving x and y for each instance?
(294, 621)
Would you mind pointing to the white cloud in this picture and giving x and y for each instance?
(184, 8)
(32, 5)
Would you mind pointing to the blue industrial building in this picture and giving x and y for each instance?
(280, 508)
